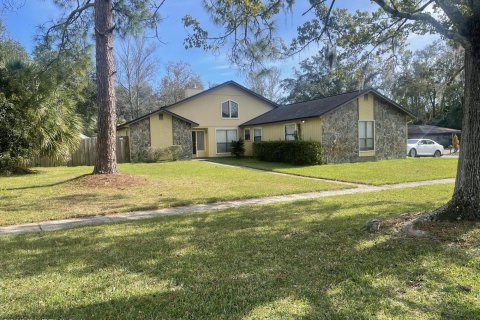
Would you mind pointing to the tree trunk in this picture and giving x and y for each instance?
(106, 161)
(434, 98)
(465, 202)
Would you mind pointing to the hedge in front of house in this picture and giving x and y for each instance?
(295, 152)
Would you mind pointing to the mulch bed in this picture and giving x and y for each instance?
(111, 181)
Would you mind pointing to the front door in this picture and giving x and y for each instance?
(198, 143)
(194, 143)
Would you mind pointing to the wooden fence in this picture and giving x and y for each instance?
(86, 153)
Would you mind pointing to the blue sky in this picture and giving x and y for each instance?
(215, 68)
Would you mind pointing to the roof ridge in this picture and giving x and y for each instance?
(318, 107)
(333, 95)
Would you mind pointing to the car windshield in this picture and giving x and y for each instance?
(412, 141)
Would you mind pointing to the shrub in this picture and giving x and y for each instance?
(238, 148)
(153, 154)
(295, 152)
(8, 165)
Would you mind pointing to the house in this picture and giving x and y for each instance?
(441, 135)
(354, 126)
(203, 123)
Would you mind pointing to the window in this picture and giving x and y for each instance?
(290, 132)
(257, 134)
(229, 109)
(425, 142)
(224, 139)
(365, 135)
(200, 140)
(160, 116)
(246, 135)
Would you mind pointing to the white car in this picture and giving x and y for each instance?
(424, 147)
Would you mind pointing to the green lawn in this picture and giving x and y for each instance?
(55, 193)
(375, 173)
(294, 260)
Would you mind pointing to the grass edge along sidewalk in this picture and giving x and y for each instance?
(140, 215)
(373, 173)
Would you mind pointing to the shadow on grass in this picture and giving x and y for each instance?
(49, 184)
(295, 260)
(69, 200)
(253, 163)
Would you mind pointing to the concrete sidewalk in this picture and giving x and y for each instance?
(139, 215)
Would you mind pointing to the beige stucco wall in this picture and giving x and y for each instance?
(310, 129)
(365, 108)
(206, 111)
(161, 130)
(122, 132)
(161, 133)
(366, 113)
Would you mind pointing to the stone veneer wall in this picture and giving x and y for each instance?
(139, 140)
(390, 131)
(340, 134)
(182, 136)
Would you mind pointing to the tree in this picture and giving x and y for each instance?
(317, 79)
(86, 105)
(71, 31)
(136, 67)
(179, 76)
(248, 24)
(457, 21)
(265, 82)
(427, 83)
(37, 114)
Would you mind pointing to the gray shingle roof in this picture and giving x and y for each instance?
(314, 108)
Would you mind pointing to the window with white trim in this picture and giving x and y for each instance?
(290, 132)
(224, 139)
(366, 135)
(246, 135)
(230, 109)
(257, 134)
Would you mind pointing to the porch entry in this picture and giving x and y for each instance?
(198, 141)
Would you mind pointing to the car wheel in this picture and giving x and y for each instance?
(413, 153)
(437, 154)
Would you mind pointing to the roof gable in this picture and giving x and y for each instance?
(161, 110)
(225, 84)
(171, 106)
(316, 108)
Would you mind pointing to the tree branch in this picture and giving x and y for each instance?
(455, 74)
(324, 30)
(426, 18)
(452, 12)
